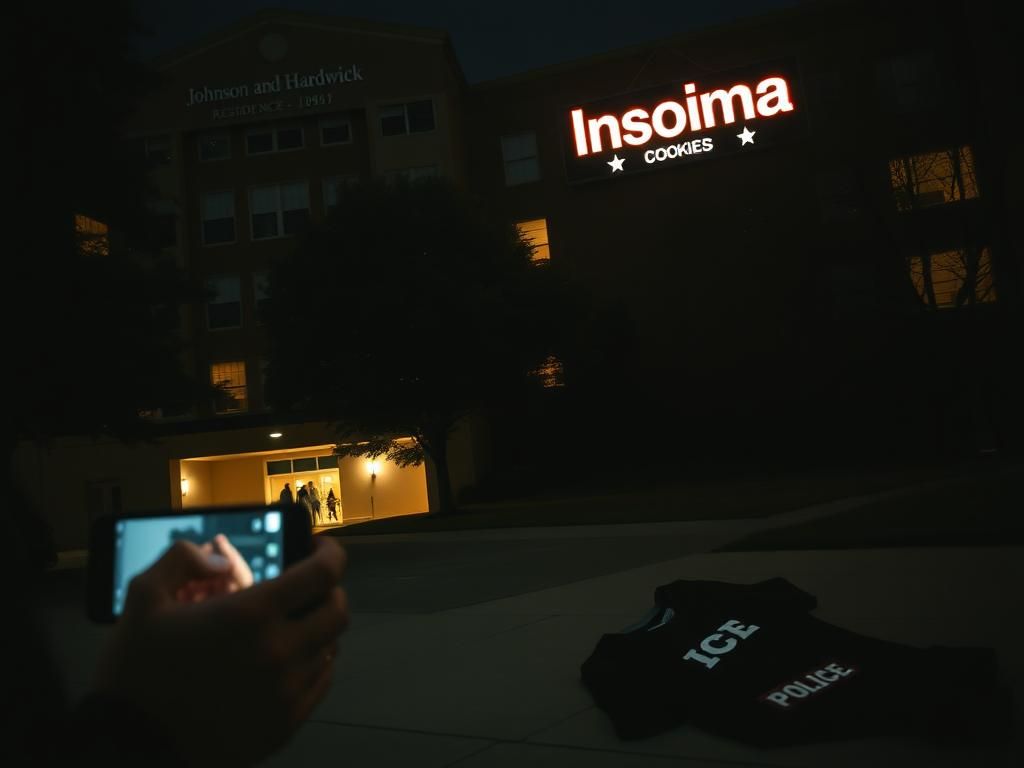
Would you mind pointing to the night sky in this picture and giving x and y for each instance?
(491, 40)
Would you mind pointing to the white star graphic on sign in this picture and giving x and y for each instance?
(747, 137)
(616, 163)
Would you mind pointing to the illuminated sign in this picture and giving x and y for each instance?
(692, 119)
(279, 93)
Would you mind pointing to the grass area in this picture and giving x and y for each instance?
(986, 509)
(753, 495)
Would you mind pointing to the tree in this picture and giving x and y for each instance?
(408, 308)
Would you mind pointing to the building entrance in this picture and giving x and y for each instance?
(328, 488)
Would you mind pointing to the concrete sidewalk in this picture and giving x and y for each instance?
(465, 646)
(497, 684)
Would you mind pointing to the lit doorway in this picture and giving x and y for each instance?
(327, 486)
(320, 473)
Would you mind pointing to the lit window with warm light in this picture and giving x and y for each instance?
(535, 234)
(93, 236)
(951, 279)
(933, 178)
(550, 373)
(232, 393)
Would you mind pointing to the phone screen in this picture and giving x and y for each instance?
(139, 542)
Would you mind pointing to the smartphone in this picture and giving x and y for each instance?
(121, 547)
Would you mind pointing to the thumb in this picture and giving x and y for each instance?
(182, 563)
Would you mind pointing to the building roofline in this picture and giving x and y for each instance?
(298, 18)
(801, 10)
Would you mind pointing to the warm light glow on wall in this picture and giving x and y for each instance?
(373, 467)
(184, 486)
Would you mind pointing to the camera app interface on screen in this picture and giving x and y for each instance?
(138, 543)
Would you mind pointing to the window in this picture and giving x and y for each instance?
(337, 131)
(260, 141)
(279, 210)
(933, 178)
(218, 218)
(334, 188)
(261, 293)
(410, 175)
(304, 465)
(909, 82)
(279, 467)
(414, 117)
(214, 146)
(223, 303)
(520, 155)
(158, 150)
(954, 278)
(535, 234)
(550, 373)
(229, 379)
(93, 236)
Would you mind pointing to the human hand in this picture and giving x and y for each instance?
(219, 553)
(231, 677)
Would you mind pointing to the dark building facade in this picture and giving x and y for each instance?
(846, 278)
(798, 235)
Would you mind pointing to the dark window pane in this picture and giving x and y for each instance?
(392, 125)
(295, 221)
(289, 138)
(259, 142)
(327, 462)
(421, 116)
(282, 467)
(218, 231)
(227, 315)
(339, 133)
(264, 225)
(305, 465)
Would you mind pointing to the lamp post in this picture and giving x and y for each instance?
(374, 466)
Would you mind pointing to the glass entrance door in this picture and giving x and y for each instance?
(326, 482)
